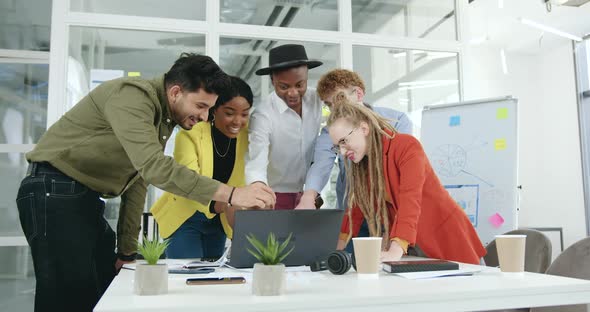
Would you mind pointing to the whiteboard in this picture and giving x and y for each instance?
(473, 147)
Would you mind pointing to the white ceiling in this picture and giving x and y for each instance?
(485, 18)
(502, 28)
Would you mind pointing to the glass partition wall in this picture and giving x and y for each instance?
(51, 52)
(408, 52)
(582, 61)
(24, 75)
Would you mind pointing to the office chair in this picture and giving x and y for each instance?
(148, 223)
(149, 229)
(572, 262)
(537, 256)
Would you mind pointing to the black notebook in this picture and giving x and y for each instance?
(419, 266)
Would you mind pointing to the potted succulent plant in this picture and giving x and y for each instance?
(269, 275)
(151, 278)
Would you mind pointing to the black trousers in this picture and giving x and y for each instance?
(73, 246)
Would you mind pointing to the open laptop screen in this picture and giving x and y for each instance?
(315, 234)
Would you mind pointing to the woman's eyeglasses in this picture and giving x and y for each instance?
(342, 142)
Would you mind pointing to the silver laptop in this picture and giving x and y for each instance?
(315, 234)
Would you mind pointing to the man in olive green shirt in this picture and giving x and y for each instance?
(111, 144)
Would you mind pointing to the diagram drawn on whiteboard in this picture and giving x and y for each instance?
(450, 160)
(466, 196)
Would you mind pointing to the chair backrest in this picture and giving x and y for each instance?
(149, 230)
(149, 226)
(537, 255)
(572, 262)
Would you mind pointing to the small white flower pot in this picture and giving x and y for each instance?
(151, 279)
(268, 280)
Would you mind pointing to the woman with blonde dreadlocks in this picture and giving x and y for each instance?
(394, 188)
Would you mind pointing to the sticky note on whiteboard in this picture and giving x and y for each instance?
(500, 144)
(133, 74)
(496, 220)
(502, 113)
(454, 121)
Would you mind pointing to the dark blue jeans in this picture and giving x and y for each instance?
(197, 237)
(73, 246)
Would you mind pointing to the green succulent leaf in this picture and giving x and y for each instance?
(256, 255)
(285, 243)
(151, 250)
(255, 243)
(286, 254)
(273, 252)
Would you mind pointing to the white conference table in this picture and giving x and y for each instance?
(321, 291)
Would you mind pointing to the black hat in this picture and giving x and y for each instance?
(287, 56)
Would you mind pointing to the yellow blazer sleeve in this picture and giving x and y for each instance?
(171, 211)
(194, 149)
(185, 151)
(229, 231)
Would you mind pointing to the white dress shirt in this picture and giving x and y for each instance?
(281, 143)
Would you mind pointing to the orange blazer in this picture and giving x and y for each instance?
(422, 212)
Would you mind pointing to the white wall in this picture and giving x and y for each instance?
(549, 142)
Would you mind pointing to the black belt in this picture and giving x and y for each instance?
(38, 168)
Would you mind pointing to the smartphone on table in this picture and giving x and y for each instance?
(215, 280)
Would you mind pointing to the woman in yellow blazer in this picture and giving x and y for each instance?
(214, 149)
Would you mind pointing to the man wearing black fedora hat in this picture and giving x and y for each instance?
(283, 129)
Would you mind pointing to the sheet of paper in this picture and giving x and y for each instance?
(437, 274)
(302, 268)
(201, 264)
